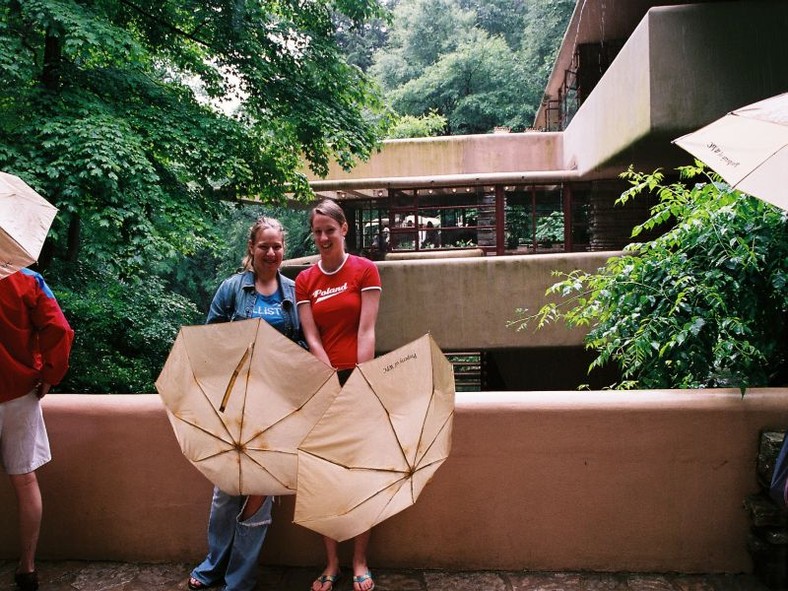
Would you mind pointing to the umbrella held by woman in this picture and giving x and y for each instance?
(338, 300)
(238, 524)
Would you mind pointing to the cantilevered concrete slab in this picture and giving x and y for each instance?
(681, 66)
(453, 161)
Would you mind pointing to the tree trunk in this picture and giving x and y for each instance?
(50, 74)
(72, 246)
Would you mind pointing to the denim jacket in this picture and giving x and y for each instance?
(235, 299)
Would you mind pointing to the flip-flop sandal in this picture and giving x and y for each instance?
(323, 579)
(362, 578)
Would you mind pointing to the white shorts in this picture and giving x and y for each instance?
(24, 445)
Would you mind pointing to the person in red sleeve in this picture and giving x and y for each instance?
(338, 301)
(35, 343)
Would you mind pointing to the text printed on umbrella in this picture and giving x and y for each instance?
(399, 362)
(717, 150)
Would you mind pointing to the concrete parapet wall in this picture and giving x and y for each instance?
(610, 120)
(466, 303)
(602, 481)
(437, 254)
(462, 154)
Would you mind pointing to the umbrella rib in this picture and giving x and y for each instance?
(295, 410)
(443, 427)
(234, 377)
(250, 351)
(215, 455)
(346, 467)
(206, 431)
(423, 427)
(370, 497)
(419, 469)
(266, 470)
(425, 466)
(759, 166)
(376, 493)
(268, 450)
(210, 404)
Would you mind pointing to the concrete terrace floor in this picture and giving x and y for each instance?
(117, 576)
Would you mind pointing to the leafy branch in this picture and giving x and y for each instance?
(702, 305)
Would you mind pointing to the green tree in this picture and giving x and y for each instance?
(105, 119)
(408, 126)
(545, 25)
(360, 41)
(475, 87)
(504, 18)
(479, 64)
(139, 119)
(123, 329)
(703, 305)
(422, 31)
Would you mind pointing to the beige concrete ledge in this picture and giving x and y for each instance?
(434, 254)
(491, 154)
(604, 481)
(484, 293)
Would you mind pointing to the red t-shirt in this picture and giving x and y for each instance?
(335, 299)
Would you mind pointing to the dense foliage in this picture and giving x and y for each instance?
(703, 305)
(138, 118)
(106, 119)
(408, 126)
(478, 64)
(123, 329)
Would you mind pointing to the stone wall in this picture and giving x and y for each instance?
(768, 539)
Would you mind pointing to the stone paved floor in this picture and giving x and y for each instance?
(115, 576)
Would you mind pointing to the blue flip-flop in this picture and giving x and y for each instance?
(323, 579)
(362, 578)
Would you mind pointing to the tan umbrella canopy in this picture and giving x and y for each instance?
(379, 443)
(25, 218)
(748, 147)
(240, 398)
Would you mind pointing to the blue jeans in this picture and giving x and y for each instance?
(233, 545)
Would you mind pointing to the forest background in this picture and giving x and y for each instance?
(149, 123)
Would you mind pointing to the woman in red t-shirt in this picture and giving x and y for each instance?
(338, 301)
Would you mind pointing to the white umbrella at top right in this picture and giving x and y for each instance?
(748, 147)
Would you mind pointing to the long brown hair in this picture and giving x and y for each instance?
(329, 208)
(261, 223)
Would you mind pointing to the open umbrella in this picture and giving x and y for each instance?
(379, 443)
(748, 147)
(240, 398)
(25, 218)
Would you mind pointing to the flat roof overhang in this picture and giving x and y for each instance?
(682, 66)
(598, 22)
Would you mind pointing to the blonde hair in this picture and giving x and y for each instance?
(262, 223)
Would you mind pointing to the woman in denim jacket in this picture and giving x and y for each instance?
(237, 524)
